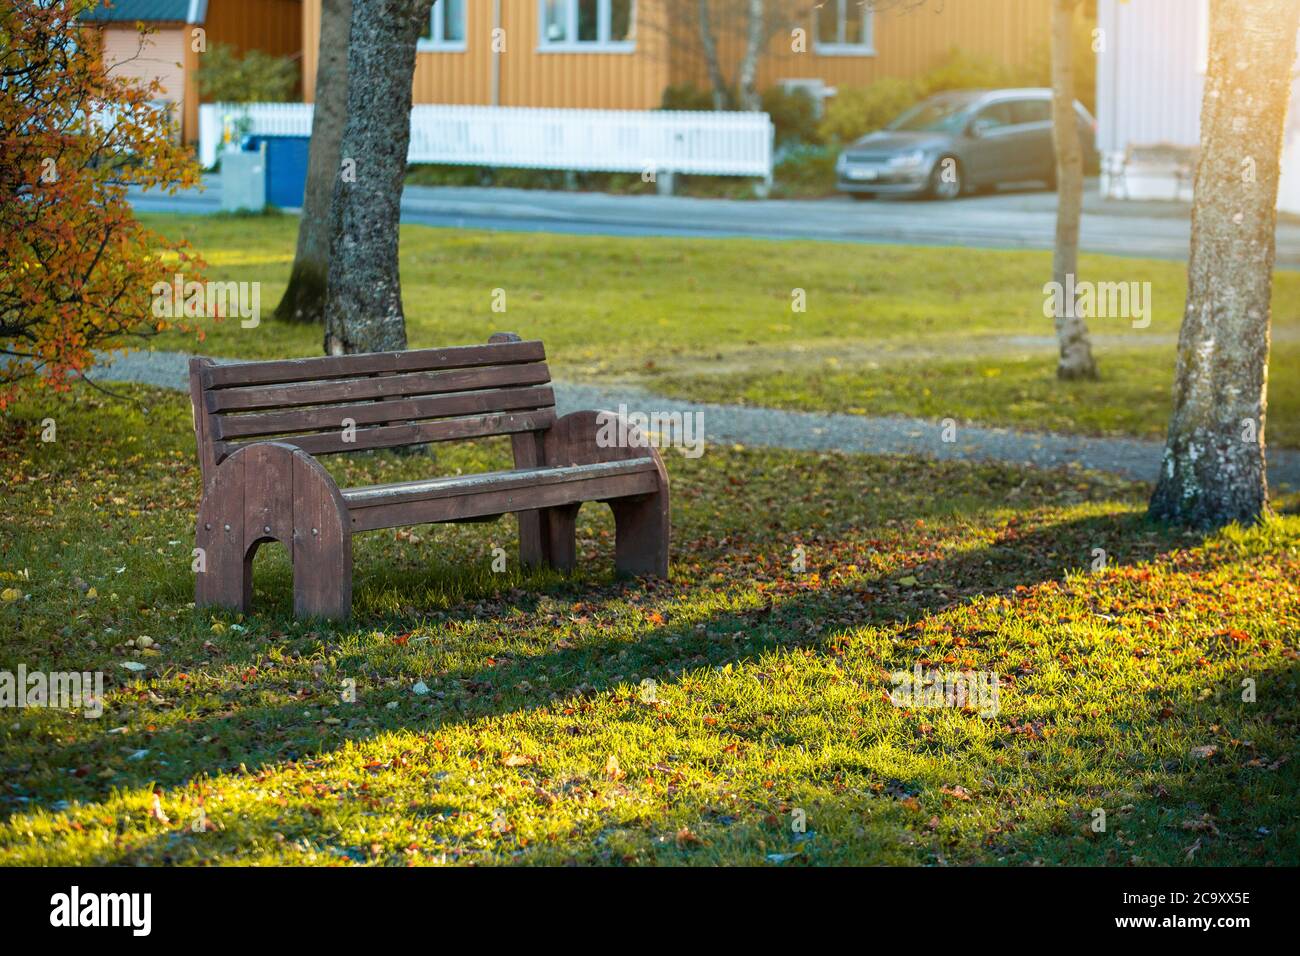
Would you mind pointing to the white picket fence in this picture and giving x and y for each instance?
(720, 144)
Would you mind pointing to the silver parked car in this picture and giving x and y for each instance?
(979, 138)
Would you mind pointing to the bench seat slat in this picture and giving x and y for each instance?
(452, 485)
(486, 501)
(371, 413)
(391, 436)
(368, 363)
(296, 394)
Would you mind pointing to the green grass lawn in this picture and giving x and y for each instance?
(940, 333)
(538, 740)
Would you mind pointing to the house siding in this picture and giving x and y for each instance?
(908, 42)
(528, 77)
(595, 80)
(160, 55)
(273, 26)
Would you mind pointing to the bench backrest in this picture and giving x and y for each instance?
(343, 403)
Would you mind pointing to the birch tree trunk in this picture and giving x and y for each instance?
(1075, 359)
(754, 36)
(304, 299)
(709, 44)
(363, 309)
(1213, 468)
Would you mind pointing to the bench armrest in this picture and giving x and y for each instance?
(642, 523)
(588, 437)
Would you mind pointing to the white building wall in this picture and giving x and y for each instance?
(1148, 86)
(1150, 81)
(161, 54)
(1288, 187)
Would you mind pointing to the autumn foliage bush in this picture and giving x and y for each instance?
(228, 76)
(76, 268)
(855, 111)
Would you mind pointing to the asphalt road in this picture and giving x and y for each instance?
(1016, 219)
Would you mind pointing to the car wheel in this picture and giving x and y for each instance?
(862, 197)
(946, 186)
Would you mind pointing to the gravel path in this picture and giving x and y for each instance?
(729, 424)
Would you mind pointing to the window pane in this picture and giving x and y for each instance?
(1031, 111)
(555, 21)
(453, 24)
(588, 16)
(620, 19)
(860, 17)
(999, 114)
(427, 32)
(828, 21)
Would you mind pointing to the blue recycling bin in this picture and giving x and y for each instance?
(286, 168)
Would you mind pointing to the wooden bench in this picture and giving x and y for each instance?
(260, 425)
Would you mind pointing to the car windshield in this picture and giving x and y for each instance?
(941, 114)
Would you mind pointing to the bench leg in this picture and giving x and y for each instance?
(641, 530)
(224, 576)
(559, 525)
(322, 545)
(274, 492)
(532, 539)
(227, 577)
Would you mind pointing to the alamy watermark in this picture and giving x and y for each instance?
(62, 690)
(960, 689)
(133, 911)
(179, 299)
(1098, 300)
(684, 430)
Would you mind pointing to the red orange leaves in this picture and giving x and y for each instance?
(83, 269)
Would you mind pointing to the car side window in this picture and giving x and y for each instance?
(1031, 111)
(994, 116)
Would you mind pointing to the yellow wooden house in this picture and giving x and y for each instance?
(622, 54)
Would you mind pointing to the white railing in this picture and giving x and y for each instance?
(721, 144)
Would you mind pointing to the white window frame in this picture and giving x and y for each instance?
(864, 47)
(602, 43)
(435, 43)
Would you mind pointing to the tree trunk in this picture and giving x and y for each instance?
(304, 299)
(710, 47)
(1213, 468)
(363, 310)
(754, 36)
(1075, 359)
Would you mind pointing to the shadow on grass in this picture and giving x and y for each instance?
(791, 618)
